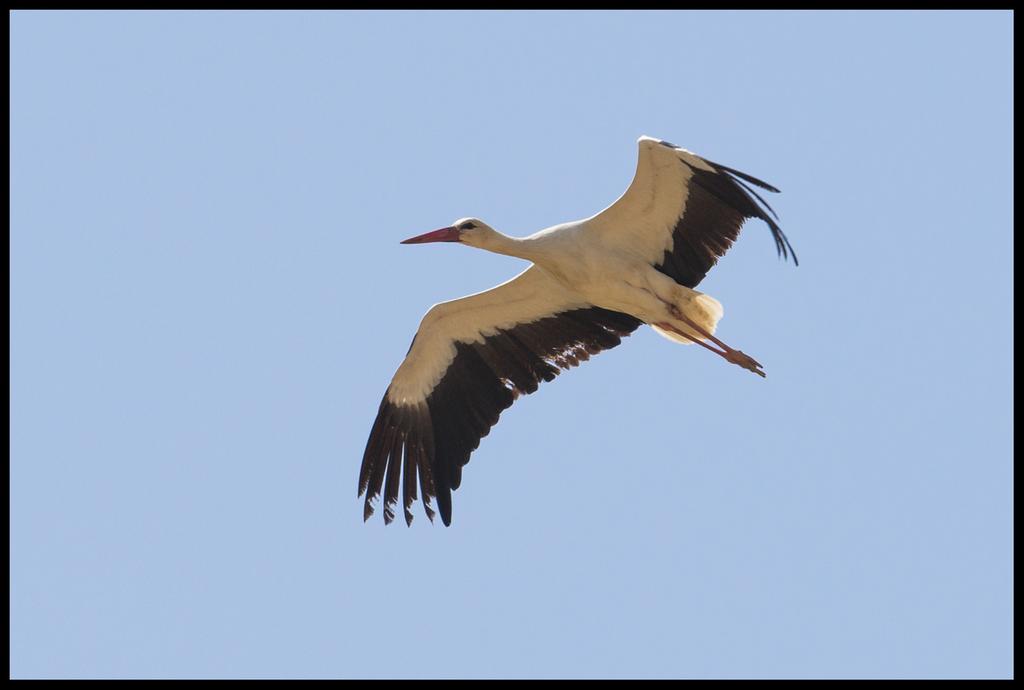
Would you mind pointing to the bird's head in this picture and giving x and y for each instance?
(471, 231)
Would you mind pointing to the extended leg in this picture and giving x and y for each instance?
(729, 354)
(671, 294)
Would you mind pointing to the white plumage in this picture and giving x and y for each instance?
(531, 295)
(591, 283)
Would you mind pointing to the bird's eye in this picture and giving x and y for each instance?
(467, 226)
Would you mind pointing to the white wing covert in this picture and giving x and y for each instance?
(681, 212)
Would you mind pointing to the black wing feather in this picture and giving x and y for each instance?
(717, 204)
(482, 380)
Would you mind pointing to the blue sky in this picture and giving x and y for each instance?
(208, 299)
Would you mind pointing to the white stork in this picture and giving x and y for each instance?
(591, 282)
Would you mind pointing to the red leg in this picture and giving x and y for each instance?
(729, 354)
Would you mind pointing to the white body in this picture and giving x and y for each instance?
(605, 260)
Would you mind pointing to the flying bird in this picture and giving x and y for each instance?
(591, 283)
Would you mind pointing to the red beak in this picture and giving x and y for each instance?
(449, 234)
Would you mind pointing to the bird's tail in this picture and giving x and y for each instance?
(705, 310)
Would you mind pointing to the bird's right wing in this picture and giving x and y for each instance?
(469, 360)
(681, 212)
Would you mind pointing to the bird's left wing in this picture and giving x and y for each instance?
(469, 360)
(682, 212)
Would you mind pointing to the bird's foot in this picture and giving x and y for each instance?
(744, 360)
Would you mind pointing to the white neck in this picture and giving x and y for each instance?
(494, 241)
